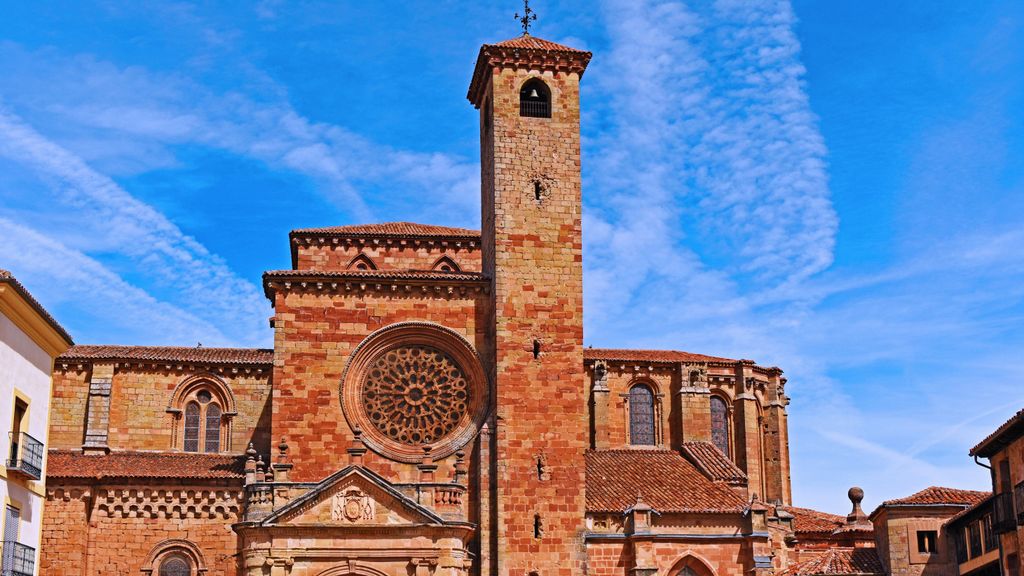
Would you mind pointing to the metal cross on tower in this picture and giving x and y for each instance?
(528, 16)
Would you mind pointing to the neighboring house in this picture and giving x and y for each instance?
(1004, 449)
(29, 341)
(974, 541)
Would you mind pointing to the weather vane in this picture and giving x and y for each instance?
(528, 16)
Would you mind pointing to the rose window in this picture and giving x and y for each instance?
(415, 394)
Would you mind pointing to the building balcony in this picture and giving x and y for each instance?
(18, 559)
(1018, 499)
(1003, 517)
(26, 456)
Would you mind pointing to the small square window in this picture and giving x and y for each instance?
(927, 541)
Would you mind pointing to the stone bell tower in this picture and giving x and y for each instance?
(527, 91)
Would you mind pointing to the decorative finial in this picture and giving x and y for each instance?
(528, 16)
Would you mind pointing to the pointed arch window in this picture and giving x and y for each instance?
(720, 424)
(641, 416)
(535, 99)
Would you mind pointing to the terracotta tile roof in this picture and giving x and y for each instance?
(997, 440)
(710, 461)
(666, 480)
(649, 355)
(242, 356)
(7, 278)
(393, 229)
(983, 503)
(839, 562)
(806, 520)
(939, 495)
(533, 43)
(130, 464)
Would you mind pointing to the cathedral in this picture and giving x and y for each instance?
(429, 409)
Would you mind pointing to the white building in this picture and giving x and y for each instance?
(29, 341)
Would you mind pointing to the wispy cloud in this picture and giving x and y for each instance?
(711, 179)
(66, 277)
(108, 104)
(134, 229)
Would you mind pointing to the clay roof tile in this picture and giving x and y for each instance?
(712, 462)
(199, 355)
(839, 562)
(666, 480)
(72, 464)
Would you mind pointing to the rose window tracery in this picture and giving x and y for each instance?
(415, 394)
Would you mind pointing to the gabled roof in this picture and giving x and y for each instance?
(390, 229)
(712, 463)
(1001, 437)
(808, 521)
(341, 475)
(940, 495)
(8, 279)
(839, 562)
(72, 464)
(199, 355)
(666, 481)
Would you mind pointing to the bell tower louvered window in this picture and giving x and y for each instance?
(641, 416)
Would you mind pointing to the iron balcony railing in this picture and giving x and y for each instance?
(18, 559)
(535, 108)
(26, 455)
(1003, 517)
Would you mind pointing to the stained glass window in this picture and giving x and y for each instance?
(213, 428)
(192, 424)
(641, 416)
(720, 424)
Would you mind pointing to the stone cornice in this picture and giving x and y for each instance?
(357, 283)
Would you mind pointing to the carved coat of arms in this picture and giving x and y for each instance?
(352, 505)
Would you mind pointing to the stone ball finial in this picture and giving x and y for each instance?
(856, 495)
(251, 452)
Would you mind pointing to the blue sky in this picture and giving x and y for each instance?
(832, 187)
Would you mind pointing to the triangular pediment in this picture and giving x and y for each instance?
(353, 496)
